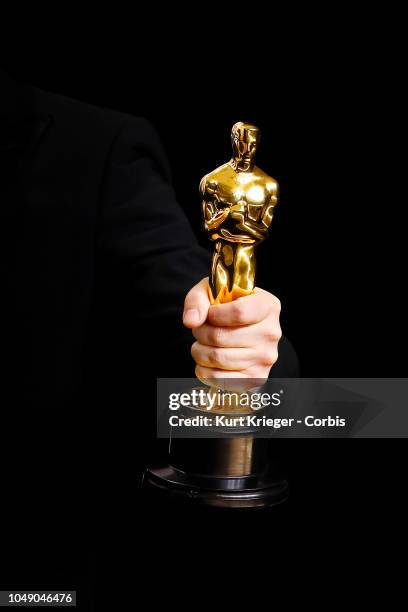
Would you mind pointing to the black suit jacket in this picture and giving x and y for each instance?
(96, 258)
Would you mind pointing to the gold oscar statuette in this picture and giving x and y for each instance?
(233, 471)
(238, 199)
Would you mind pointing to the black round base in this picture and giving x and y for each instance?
(255, 491)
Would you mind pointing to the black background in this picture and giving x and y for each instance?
(326, 97)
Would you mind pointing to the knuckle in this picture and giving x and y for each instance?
(269, 357)
(272, 333)
(215, 356)
(218, 336)
(275, 356)
(238, 312)
(266, 358)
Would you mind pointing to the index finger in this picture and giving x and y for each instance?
(246, 310)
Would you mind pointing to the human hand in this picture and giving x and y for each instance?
(238, 339)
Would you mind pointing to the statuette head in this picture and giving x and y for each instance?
(245, 139)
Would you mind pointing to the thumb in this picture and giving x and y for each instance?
(196, 305)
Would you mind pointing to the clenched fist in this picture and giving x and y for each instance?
(234, 340)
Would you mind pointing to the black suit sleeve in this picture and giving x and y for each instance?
(148, 251)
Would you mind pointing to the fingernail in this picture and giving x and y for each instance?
(191, 316)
